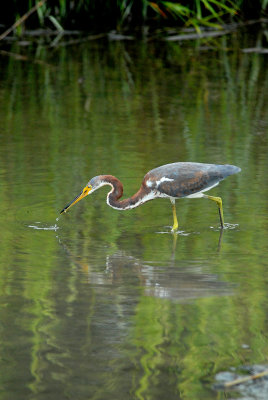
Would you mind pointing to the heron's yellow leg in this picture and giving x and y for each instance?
(175, 220)
(219, 204)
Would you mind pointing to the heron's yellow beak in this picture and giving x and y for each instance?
(83, 194)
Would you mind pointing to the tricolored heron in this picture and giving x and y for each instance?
(173, 181)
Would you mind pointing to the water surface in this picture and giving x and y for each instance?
(103, 304)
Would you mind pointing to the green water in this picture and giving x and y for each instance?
(103, 304)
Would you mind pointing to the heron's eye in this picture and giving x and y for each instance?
(87, 189)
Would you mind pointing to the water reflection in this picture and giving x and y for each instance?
(118, 309)
(165, 281)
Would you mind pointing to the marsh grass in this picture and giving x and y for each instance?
(104, 15)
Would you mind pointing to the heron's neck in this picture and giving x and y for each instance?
(143, 195)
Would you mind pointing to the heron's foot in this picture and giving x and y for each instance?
(175, 220)
(218, 200)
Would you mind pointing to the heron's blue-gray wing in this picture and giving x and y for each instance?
(184, 179)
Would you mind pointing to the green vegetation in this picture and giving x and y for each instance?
(105, 15)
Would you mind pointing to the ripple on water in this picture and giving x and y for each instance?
(179, 232)
(227, 226)
(45, 227)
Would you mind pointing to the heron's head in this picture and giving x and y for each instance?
(94, 184)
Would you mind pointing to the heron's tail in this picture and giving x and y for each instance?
(227, 170)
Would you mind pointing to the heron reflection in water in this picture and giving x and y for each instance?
(173, 181)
